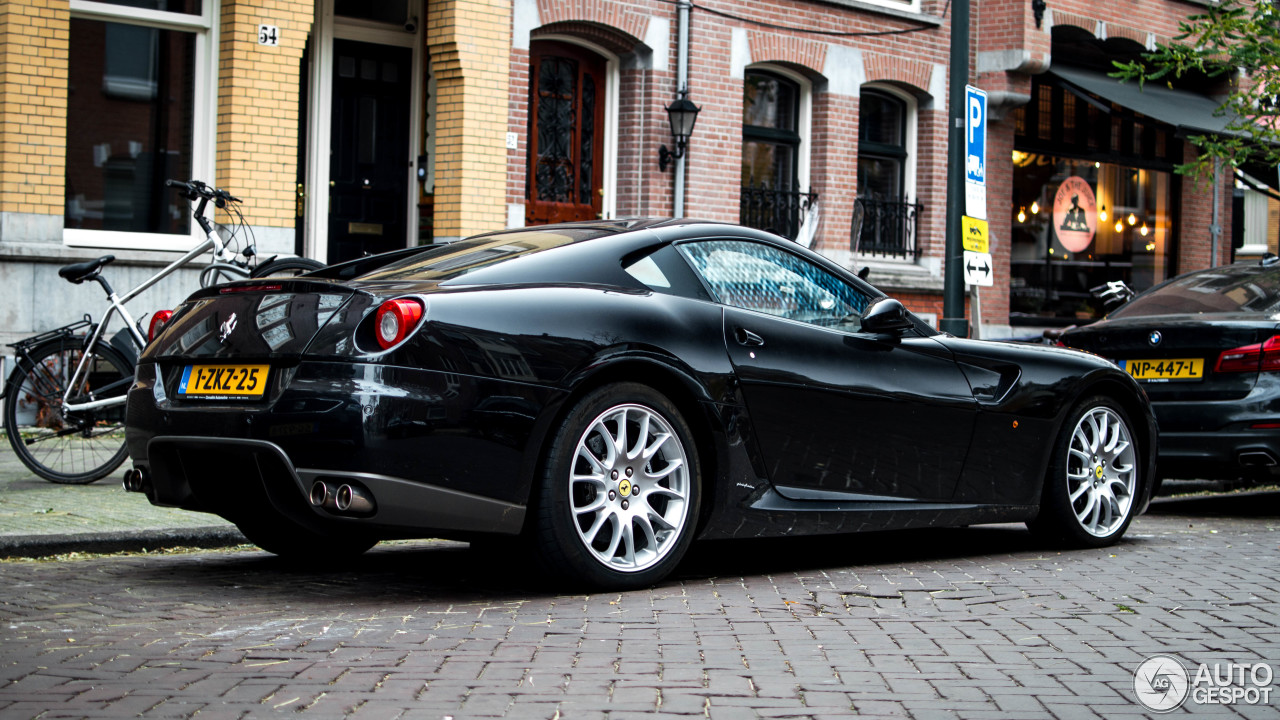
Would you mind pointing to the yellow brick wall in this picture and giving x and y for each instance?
(470, 46)
(258, 92)
(34, 56)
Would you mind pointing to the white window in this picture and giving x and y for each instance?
(885, 212)
(776, 116)
(139, 111)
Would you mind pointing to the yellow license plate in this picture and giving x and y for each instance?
(244, 382)
(1173, 369)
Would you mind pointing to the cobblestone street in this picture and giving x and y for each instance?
(971, 623)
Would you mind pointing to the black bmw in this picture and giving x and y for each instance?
(611, 391)
(1206, 347)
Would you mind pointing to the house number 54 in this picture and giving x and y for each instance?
(268, 35)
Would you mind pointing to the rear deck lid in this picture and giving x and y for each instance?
(265, 321)
(1175, 357)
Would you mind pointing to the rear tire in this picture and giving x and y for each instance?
(1094, 479)
(618, 501)
(287, 267)
(74, 449)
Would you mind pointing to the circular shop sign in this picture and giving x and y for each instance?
(1075, 214)
(1161, 683)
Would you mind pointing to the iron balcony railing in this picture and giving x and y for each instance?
(885, 228)
(777, 211)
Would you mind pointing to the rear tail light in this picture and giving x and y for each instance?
(1264, 357)
(396, 319)
(158, 321)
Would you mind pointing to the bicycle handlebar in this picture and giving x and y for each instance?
(195, 189)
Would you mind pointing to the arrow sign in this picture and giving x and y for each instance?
(978, 269)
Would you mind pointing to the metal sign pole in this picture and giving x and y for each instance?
(953, 319)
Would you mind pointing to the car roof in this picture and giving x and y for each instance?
(576, 253)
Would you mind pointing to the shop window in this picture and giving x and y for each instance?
(1078, 224)
(134, 110)
(773, 194)
(1092, 189)
(884, 216)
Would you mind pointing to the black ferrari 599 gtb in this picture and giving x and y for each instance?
(610, 392)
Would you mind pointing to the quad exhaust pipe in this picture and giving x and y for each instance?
(345, 499)
(136, 480)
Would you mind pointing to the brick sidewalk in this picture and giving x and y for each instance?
(974, 623)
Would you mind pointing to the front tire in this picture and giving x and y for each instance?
(618, 502)
(1093, 479)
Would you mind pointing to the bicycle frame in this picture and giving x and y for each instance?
(212, 241)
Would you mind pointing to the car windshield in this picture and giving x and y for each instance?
(465, 256)
(1231, 289)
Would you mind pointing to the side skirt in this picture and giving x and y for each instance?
(773, 515)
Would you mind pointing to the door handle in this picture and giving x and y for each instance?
(747, 338)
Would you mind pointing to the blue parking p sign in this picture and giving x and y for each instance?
(975, 135)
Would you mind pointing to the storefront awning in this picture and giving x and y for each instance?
(1184, 110)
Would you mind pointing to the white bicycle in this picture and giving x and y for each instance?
(65, 400)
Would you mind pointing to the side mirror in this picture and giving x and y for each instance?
(885, 316)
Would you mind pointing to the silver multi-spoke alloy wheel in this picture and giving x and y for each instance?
(1101, 471)
(629, 488)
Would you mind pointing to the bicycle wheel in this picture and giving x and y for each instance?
(287, 267)
(75, 448)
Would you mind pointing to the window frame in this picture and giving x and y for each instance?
(804, 121)
(910, 134)
(204, 104)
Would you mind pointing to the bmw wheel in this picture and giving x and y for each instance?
(1092, 485)
(619, 496)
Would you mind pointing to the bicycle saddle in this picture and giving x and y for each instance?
(79, 272)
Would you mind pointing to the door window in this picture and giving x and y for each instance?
(369, 145)
(759, 277)
(566, 134)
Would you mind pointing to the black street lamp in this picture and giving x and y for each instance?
(682, 114)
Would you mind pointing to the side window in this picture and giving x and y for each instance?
(664, 271)
(760, 277)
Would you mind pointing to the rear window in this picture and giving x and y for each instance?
(1230, 289)
(466, 256)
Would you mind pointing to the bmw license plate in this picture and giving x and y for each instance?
(1174, 369)
(221, 382)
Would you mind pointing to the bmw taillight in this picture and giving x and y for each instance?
(396, 319)
(158, 321)
(1264, 357)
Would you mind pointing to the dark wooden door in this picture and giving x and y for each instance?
(369, 150)
(566, 134)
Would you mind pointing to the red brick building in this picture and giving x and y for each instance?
(842, 105)
(354, 127)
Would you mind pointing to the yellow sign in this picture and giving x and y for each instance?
(973, 234)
